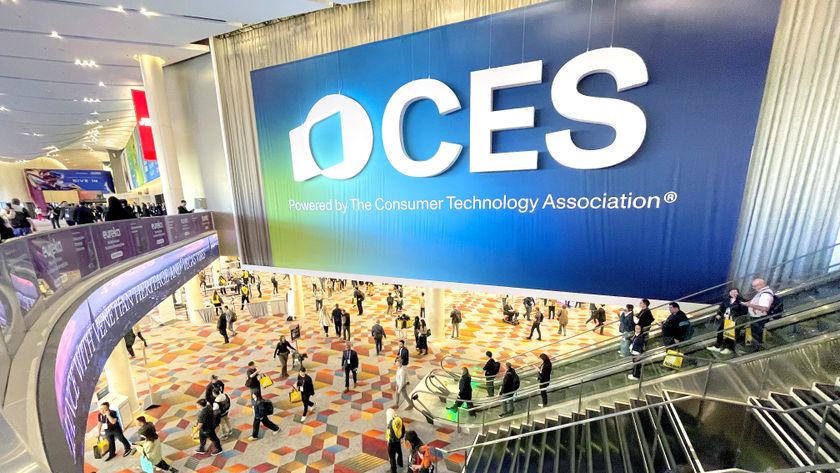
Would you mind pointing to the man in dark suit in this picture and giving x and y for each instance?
(350, 363)
(337, 315)
(307, 390)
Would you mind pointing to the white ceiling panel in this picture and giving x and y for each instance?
(42, 90)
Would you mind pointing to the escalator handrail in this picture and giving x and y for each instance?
(632, 410)
(698, 316)
(798, 469)
(617, 366)
(725, 284)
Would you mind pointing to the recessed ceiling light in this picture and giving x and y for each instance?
(94, 113)
(91, 100)
(3, 109)
(86, 63)
(118, 9)
(55, 35)
(145, 12)
(37, 134)
(91, 122)
(101, 84)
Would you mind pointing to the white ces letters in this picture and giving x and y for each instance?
(628, 120)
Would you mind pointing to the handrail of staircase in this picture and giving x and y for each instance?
(725, 284)
(638, 409)
(699, 316)
(819, 309)
(798, 469)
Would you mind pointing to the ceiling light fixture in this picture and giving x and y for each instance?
(55, 35)
(101, 84)
(94, 112)
(91, 122)
(147, 13)
(91, 100)
(37, 134)
(86, 63)
(3, 109)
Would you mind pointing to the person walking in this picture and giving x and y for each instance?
(319, 298)
(307, 390)
(221, 407)
(150, 449)
(359, 297)
(394, 433)
(252, 379)
(637, 347)
(216, 300)
(221, 325)
(402, 354)
(214, 385)
(538, 318)
(402, 387)
(562, 319)
(378, 333)
(543, 377)
(345, 324)
(390, 302)
(349, 363)
(600, 318)
(423, 338)
(281, 351)
(262, 409)
(206, 424)
(455, 317)
(274, 284)
(230, 314)
(222, 285)
(324, 321)
(110, 423)
(245, 291)
(491, 369)
(551, 303)
(337, 316)
(528, 302)
(510, 384)
(422, 303)
(21, 220)
(464, 392)
(258, 283)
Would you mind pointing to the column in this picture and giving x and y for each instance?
(295, 301)
(170, 176)
(195, 300)
(119, 377)
(436, 313)
(165, 311)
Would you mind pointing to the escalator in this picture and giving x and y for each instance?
(593, 358)
(810, 320)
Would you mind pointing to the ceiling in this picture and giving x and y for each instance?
(43, 90)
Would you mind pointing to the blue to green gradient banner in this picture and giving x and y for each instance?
(537, 172)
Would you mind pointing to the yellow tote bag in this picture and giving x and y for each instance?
(265, 381)
(294, 396)
(729, 329)
(673, 359)
(195, 432)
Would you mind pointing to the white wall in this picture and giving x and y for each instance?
(12, 182)
(198, 141)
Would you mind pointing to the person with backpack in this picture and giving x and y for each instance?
(762, 304)
(394, 433)
(510, 384)
(538, 318)
(675, 327)
(455, 316)
(221, 407)
(491, 369)
(20, 220)
(359, 296)
(262, 409)
(420, 456)
(528, 302)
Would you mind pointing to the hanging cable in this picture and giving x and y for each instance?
(589, 35)
(612, 34)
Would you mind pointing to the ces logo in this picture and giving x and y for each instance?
(628, 120)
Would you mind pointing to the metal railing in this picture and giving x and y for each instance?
(715, 293)
(651, 358)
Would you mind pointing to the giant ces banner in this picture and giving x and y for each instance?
(590, 147)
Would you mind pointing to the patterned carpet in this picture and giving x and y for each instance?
(346, 432)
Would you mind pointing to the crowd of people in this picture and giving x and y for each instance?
(16, 220)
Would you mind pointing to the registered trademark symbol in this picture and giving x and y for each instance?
(670, 197)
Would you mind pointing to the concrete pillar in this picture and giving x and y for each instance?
(165, 311)
(151, 68)
(195, 300)
(296, 295)
(119, 377)
(436, 313)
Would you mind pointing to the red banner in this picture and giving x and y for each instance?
(144, 124)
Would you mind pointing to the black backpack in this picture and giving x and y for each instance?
(267, 407)
(776, 308)
(515, 381)
(20, 219)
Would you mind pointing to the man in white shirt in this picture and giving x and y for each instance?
(402, 387)
(758, 308)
